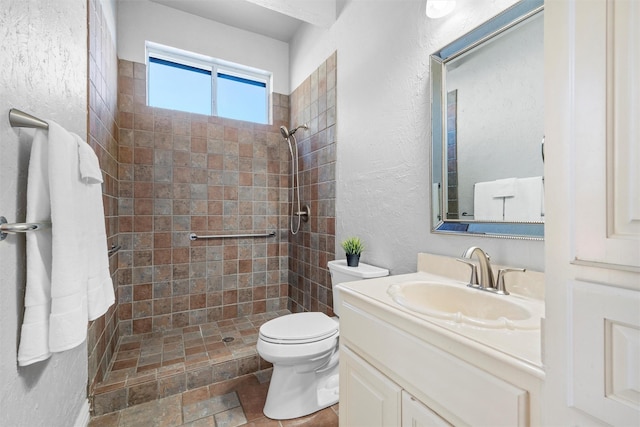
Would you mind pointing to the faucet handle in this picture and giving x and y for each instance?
(501, 288)
(473, 280)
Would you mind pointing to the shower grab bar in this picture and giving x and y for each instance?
(194, 236)
(20, 119)
(114, 249)
(20, 227)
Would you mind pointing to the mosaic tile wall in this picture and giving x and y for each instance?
(314, 103)
(102, 335)
(181, 173)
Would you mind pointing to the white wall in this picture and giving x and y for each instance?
(383, 133)
(143, 20)
(43, 58)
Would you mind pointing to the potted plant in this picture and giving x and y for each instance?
(353, 247)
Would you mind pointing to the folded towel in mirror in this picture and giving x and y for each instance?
(503, 187)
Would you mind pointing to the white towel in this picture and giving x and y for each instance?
(79, 288)
(528, 204)
(485, 206)
(504, 187)
(88, 163)
(100, 293)
(37, 300)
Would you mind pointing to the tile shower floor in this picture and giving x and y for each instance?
(208, 374)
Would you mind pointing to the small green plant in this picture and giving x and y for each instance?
(353, 246)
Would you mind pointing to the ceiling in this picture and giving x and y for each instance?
(242, 14)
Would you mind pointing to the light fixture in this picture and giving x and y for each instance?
(439, 8)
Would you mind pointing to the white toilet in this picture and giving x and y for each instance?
(303, 348)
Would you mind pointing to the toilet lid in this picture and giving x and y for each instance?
(299, 328)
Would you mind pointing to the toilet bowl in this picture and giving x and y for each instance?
(303, 348)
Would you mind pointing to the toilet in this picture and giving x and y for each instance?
(303, 348)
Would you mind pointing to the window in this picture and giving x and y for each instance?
(241, 98)
(179, 80)
(179, 87)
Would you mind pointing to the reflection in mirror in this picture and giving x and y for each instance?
(487, 128)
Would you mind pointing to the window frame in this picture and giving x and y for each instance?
(215, 66)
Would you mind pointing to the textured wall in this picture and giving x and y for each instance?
(383, 125)
(142, 20)
(43, 58)
(314, 103)
(182, 173)
(102, 335)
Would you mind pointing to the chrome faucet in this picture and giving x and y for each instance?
(486, 280)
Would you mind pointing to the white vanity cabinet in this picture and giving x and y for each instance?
(396, 372)
(370, 399)
(367, 397)
(417, 414)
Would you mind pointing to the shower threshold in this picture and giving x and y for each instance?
(152, 366)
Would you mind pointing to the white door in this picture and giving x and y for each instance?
(367, 397)
(592, 230)
(417, 414)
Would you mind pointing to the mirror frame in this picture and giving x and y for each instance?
(507, 19)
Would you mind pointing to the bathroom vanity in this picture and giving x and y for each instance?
(403, 366)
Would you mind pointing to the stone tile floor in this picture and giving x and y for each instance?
(154, 366)
(235, 402)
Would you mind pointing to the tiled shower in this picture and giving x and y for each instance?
(169, 174)
(182, 173)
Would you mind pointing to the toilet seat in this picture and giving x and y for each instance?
(299, 328)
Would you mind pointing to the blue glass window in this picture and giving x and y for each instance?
(189, 82)
(179, 87)
(241, 99)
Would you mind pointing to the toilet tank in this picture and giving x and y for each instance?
(341, 273)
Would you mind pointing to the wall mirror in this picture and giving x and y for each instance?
(487, 121)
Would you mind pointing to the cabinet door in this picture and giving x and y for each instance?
(416, 414)
(367, 397)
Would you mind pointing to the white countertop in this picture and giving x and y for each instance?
(521, 349)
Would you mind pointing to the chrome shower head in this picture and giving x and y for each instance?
(286, 133)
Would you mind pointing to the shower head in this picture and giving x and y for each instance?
(286, 133)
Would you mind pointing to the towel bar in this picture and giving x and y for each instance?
(23, 227)
(194, 236)
(19, 227)
(20, 119)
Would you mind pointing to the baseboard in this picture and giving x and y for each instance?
(82, 420)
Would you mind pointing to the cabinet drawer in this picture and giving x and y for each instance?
(460, 392)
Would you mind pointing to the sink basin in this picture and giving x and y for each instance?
(461, 304)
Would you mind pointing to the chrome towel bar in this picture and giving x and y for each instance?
(19, 227)
(194, 236)
(20, 119)
(23, 227)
